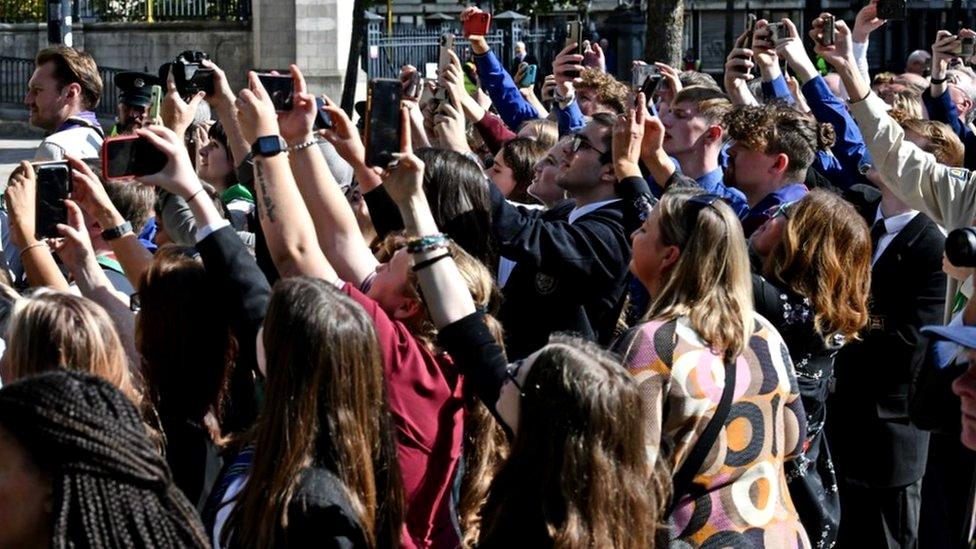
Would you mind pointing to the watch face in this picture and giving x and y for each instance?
(269, 145)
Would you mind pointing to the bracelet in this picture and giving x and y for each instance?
(427, 263)
(303, 146)
(427, 243)
(34, 245)
(194, 195)
(937, 81)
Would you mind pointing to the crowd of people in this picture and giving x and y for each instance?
(691, 315)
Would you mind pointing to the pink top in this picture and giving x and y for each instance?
(424, 393)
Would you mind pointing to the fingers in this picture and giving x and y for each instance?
(455, 60)
(298, 78)
(641, 110)
(195, 101)
(255, 86)
(792, 28)
(171, 81)
(76, 220)
(157, 138)
(406, 137)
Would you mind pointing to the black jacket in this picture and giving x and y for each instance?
(869, 431)
(568, 277)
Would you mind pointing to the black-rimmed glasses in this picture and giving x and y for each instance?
(579, 142)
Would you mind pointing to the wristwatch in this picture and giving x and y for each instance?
(116, 232)
(268, 146)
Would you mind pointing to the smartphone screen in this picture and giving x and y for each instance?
(383, 125)
(130, 156)
(280, 88)
(53, 186)
(323, 120)
(574, 33)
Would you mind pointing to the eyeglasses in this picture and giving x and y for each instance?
(579, 141)
(135, 304)
(779, 210)
(512, 372)
(694, 207)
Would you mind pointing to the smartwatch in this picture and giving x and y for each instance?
(268, 146)
(116, 232)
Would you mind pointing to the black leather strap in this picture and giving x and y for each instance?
(682, 480)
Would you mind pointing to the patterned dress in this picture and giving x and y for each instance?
(746, 502)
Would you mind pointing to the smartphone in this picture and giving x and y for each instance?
(777, 32)
(280, 88)
(478, 24)
(829, 30)
(447, 45)
(323, 120)
(383, 123)
(414, 86)
(53, 186)
(126, 156)
(154, 102)
(528, 76)
(892, 9)
(967, 46)
(574, 33)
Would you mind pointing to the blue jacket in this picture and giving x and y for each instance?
(570, 119)
(849, 151)
(943, 109)
(504, 93)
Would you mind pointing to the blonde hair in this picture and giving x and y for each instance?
(711, 282)
(941, 141)
(51, 330)
(712, 104)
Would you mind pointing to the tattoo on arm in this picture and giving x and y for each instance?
(269, 208)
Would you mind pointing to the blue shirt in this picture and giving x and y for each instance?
(842, 168)
(513, 109)
(757, 214)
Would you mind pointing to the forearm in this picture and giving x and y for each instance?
(660, 165)
(803, 68)
(739, 94)
(860, 52)
(130, 253)
(40, 268)
(286, 223)
(336, 228)
(530, 96)
(94, 285)
(512, 107)
(227, 114)
(857, 87)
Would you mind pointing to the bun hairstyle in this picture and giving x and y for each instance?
(826, 136)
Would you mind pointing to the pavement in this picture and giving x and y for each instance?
(12, 151)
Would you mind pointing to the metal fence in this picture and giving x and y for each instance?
(385, 54)
(15, 72)
(34, 11)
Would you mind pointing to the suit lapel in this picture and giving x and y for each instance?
(896, 249)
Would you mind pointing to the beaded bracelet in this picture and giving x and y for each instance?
(427, 243)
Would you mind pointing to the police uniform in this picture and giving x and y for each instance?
(135, 90)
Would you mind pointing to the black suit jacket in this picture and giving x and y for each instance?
(871, 438)
(568, 277)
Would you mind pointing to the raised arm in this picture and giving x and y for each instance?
(865, 23)
(738, 73)
(90, 194)
(335, 224)
(224, 102)
(35, 254)
(773, 83)
(287, 225)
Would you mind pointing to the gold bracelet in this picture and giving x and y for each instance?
(34, 245)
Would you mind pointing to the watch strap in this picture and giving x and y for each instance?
(116, 232)
(256, 146)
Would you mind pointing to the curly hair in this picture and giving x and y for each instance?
(778, 129)
(939, 140)
(611, 93)
(825, 256)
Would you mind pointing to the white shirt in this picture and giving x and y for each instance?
(893, 226)
(80, 142)
(506, 266)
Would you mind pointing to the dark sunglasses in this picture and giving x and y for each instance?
(694, 207)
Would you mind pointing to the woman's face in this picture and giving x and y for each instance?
(769, 235)
(26, 498)
(547, 170)
(651, 258)
(509, 404)
(501, 175)
(391, 284)
(214, 166)
(965, 387)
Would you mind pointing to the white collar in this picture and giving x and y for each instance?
(895, 223)
(580, 211)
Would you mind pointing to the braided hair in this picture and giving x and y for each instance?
(111, 487)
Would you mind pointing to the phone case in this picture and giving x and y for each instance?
(529, 76)
(478, 24)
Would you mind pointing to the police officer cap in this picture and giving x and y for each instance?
(135, 88)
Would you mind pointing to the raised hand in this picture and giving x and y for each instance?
(255, 112)
(866, 22)
(296, 124)
(672, 80)
(343, 135)
(628, 136)
(567, 66)
(74, 247)
(449, 124)
(840, 54)
(20, 197)
(178, 176)
(176, 113)
(593, 56)
(405, 176)
(89, 193)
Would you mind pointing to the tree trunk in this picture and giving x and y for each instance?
(355, 49)
(665, 26)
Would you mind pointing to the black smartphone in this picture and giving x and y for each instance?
(383, 123)
(645, 78)
(127, 156)
(323, 120)
(892, 9)
(53, 186)
(829, 30)
(280, 88)
(574, 33)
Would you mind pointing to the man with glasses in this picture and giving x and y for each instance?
(570, 260)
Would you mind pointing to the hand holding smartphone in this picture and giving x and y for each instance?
(280, 88)
(892, 10)
(129, 156)
(54, 185)
(829, 32)
(477, 24)
(383, 122)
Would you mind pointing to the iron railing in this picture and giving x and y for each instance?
(15, 72)
(34, 11)
(385, 54)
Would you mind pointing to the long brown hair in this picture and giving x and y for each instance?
(53, 330)
(326, 406)
(183, 333)
(711, 281)
(578, 469)
(825, 256)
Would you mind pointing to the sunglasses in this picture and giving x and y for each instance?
(779, 210)
(694, 206)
